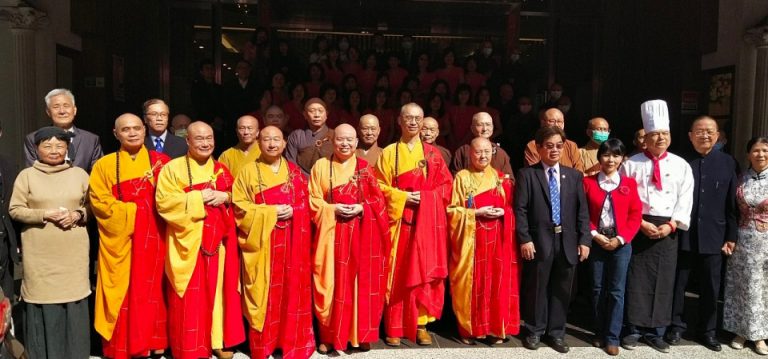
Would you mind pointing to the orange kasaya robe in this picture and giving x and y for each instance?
(130, 312)
(203, 264)
(418, 259)
(276, 272)
(350, 254)
(484, 266)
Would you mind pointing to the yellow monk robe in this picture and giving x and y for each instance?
(203, 262)
(483, 262)
(130, 312)
(418, 259)
(350, 253)
(276, 273)
(235, 158)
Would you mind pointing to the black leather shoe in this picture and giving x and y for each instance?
(630, 341)
(559, 345)
(597, 342)
(656, 343)
(673, 337)
(710, 343)
(531, 342)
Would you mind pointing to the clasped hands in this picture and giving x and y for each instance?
(527, 251)
(212, 197)
(62, 217)
(489, 212)
(655, 232)
(348, 210)
(609, 244)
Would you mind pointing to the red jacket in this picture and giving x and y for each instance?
(627, 208)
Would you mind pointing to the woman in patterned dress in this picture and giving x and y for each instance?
(745, 312)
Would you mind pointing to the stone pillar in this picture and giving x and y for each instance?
(759, 38)
(20, 21)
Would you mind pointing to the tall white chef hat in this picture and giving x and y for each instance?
(655, 116)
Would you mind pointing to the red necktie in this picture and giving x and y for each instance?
(656, 167)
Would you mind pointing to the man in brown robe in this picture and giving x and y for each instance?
(306, 146)
(430, 129)
(369, 131)
(482, 126)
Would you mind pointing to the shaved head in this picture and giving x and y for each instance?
(481, 153)
(198, 126)
(478, 142)
(369, 120)
(271, 143)
(126, 118)
(344, 141)
(430, 129)
(200, 141)
(344, 130)
(129, 131)
(482, 125)
(271, 131)
(369, 130)
(553, 117)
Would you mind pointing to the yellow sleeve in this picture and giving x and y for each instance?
(116, 221)
(255, 222)
(323, 214)
(461, 238)
(184, 213)
(384, 174)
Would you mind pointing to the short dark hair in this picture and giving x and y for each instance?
(150, 102)
(542, 134)
(756, 140)
(49, 132)
(704, 117)
(612, 146)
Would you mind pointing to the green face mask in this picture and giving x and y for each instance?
(600, 136)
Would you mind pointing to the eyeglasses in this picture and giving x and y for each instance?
(551, 146)
(157, 114)
(411, 118)
(704, 133)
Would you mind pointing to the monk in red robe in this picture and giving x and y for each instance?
(417, 185)
(351, 248)
(273, 219)
(203, 265)
(130, 313)
(483, 266)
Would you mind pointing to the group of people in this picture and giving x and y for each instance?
(325, 226)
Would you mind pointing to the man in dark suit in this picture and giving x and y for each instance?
(8, 241)
(85, 148)
(160, 139)
(553, 235)
(713, 222)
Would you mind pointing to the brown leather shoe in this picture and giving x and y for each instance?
(364, 347)
(612, 350)
(324, 348)
(423, 337)
(223, 354)
(393, 342)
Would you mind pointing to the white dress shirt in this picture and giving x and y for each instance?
(557, 173)
(675, 198)
(608, 184)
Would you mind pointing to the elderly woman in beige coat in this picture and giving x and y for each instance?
(49, 199)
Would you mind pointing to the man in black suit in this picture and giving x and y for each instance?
(553, 231)
(713, 222)
(85, 148)
(8, 241)
(156, 117)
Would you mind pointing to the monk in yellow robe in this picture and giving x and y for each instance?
(202, 264)
(130, 313)
(352, 243)
(483, 263)
(274, 234)
(247, 149)
(417, 185)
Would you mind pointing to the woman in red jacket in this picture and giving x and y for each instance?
(615, 213)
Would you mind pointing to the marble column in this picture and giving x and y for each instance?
(759, 38)
(21, 22)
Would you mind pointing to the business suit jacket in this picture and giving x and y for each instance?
(714, 214)
(84, 149)
(533, 212)
(173, 146)
(9, 250)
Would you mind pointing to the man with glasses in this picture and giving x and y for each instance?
(570, 155)
(417, 186)
(598, 132)
(247, 148)
(156, 114)
(552, 228)
(665, 184)
(714, 222)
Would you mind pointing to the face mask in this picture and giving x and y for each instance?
(526, 108)
(514, 57)
(718, 146)
(487, 51)
(564, 109)
(181, 133)
(600, 136)
(555, 94)
(407, 45)
(343, 46)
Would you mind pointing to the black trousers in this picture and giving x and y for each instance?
(546, 292)
(707, 269)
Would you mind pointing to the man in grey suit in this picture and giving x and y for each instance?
(85, 148)
(156, 114)
(552, 227)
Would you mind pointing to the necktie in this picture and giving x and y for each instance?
(554, 196)
(159, 144)
(656, 168)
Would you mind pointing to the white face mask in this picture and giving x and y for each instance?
(555, 94)
(181, 133)
(487, 51)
